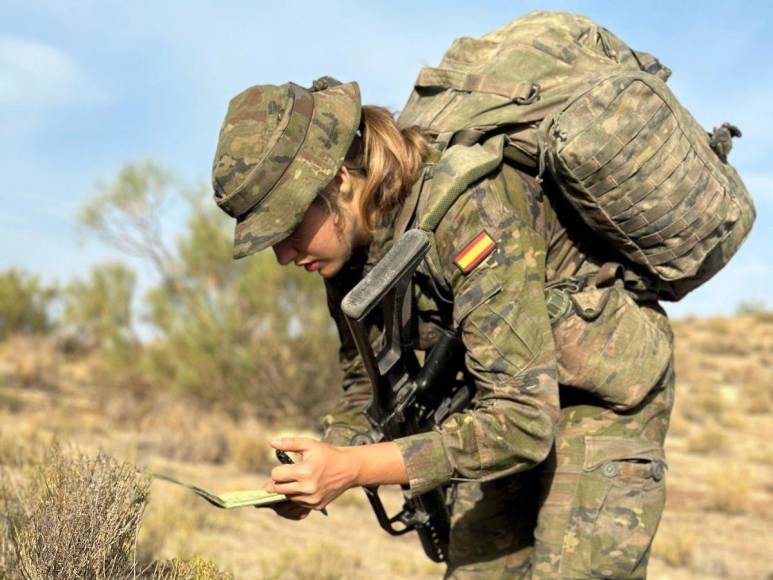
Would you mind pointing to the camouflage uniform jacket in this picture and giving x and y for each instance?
(498, 308)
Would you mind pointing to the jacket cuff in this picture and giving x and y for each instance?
(426, 462)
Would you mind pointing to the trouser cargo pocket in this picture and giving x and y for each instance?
(616, 510)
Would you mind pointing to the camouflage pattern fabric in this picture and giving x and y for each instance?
(546, 480)
(596, 352)
(641, 171)
(278, 147)
(578, 104)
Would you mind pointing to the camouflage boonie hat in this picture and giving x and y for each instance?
(278, 147)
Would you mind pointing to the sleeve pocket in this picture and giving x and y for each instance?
(481, 285)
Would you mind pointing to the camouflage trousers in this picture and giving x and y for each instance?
(589, 511)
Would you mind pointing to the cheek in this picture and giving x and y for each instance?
(328, 241)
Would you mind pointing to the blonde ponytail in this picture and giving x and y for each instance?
(388, 158)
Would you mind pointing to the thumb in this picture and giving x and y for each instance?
(297, 444)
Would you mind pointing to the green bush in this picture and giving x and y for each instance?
(24, 304)
(98, 312)
(244, 334)
(750, 307)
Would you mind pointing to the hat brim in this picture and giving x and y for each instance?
(334, 122)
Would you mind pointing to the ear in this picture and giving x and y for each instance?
(343, 180)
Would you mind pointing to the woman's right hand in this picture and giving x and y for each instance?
(291, 510)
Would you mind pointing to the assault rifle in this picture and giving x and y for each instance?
(407, 397)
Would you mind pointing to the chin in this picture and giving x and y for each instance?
(329, 270)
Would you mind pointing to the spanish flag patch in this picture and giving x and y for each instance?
(475, 252)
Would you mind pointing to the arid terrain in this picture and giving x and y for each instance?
(718, 521)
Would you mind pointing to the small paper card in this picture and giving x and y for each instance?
(230, 499)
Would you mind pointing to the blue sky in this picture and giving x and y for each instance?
(87, 86)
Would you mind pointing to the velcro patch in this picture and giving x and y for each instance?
(475, 252)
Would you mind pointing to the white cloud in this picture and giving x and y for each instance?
(35, 76)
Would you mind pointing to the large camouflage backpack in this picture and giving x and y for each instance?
(572, 99)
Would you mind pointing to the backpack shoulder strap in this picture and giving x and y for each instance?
(458, 168)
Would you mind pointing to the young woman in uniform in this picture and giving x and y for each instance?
(546, 480)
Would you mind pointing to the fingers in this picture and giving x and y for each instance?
(303, 493)
(293, 488)
(285, 473)
(297, 444)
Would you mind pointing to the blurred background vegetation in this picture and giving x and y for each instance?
(246, 336)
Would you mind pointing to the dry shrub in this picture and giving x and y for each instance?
(719, 325)
(707, 440)
(179, 431)
(703, 406)
(721, 342)
(754, 377)
(9, 512)
(196, 568)
(77, 517)
(675, 547)
(729, 490)
(323, 561)
(760, 400)
(10, 402)
(32, 361)
(248, 447)
(732, 420)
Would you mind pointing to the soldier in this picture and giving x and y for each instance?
(548, 480)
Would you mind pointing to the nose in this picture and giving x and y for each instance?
(285, 252)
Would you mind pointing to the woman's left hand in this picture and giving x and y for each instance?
(323, 473)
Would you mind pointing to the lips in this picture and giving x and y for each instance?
(311, 266)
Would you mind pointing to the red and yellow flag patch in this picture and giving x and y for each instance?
(475, 252)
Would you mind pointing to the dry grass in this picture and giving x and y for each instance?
(707, 440)
(31, 361)
(23, 445)
(174, 520)
(676, 547)
(729, 490)
(322, 561)
(181, 432)
(732, 420)
(759, 401)
(196, 568)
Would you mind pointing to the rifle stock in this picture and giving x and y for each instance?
(406, 398)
